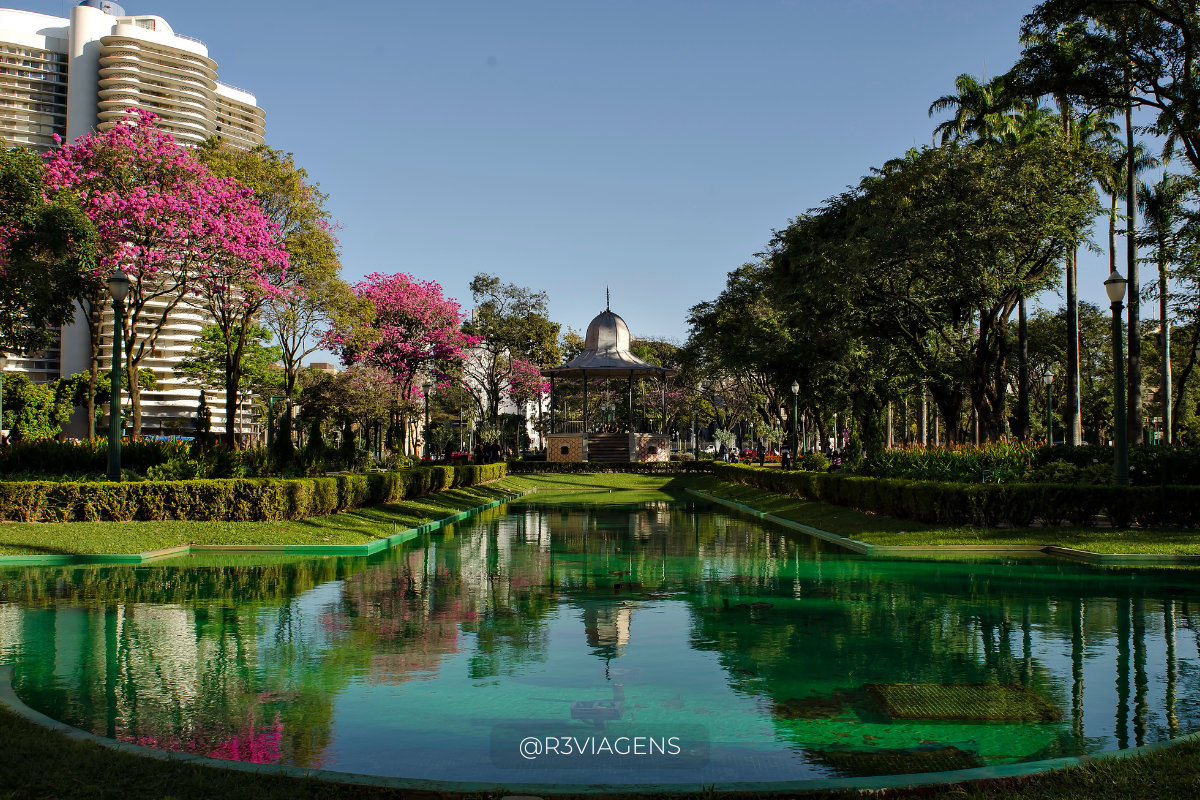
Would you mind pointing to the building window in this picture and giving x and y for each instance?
(564, 450)
(148, 24)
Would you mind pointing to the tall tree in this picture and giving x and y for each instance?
(512, 326)
(314, 297)
(47, 250)
(158, 214)
(415, 333)
(1162, 207)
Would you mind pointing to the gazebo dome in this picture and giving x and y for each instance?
(608, 332)
(606, 349)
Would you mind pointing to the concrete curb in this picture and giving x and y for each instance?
(371, 548)
(10, 701)
(863, 548)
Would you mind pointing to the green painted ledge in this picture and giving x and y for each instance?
(863, 548)
(371, 548)
(10, 700)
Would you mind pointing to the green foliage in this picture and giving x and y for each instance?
(33, 410)
(242, 500)
(47, 248)
(1002, 462)
(981, 505)
(71, 457)
(205, 363)
(815, 461)
(1012, 462)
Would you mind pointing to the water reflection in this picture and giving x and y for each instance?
(400, 664)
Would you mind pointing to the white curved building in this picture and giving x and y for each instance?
(74, 76)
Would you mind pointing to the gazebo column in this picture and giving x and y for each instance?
(551, 403)
(585, 416)
(631, 401)
(662, 425)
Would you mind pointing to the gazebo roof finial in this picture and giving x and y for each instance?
(607, 304)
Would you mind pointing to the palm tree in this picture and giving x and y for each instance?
(1162, 211)
(1091, 135)
(984, 112)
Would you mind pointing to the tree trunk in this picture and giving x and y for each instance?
(1022, 372)
(1074, 422)
(1134, 402)
(1165, 344)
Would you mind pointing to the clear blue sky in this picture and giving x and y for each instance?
(644, 144)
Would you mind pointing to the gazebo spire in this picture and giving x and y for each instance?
(607, 304)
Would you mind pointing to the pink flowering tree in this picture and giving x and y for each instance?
(526, 385)
(416, 334)
(163, 219)
(244, 266)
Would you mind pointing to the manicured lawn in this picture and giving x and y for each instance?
(352, 527)
(875, 529)
(37, 764)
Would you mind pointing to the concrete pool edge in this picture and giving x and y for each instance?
(368, 549)
(864, 548)
(12, 703)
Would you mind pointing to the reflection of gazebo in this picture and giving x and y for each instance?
(606, 354)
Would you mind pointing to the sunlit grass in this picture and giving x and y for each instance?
(351, 527)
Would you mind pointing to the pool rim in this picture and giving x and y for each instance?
(10, 701)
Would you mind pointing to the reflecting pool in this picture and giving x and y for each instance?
(497, 649)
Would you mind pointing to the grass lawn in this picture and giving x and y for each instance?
(875, 529)
(351, 527)
(36, 764)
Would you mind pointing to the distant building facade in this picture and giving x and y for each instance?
(73, 76)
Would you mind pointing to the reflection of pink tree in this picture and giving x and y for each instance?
(254, 747)
(253, 743)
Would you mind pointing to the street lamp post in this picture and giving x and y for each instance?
(1049, 381)
(118, 287)
(1115, 287)
(426, 387)
(795, 420)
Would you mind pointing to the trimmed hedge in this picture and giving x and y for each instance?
(234, 500)
(585, 467)
(985, 505)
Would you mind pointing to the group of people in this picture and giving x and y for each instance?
(490, 453)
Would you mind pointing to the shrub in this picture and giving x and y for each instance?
(237, 499)
(987, 505)
(815, 462)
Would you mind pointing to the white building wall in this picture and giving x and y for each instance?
(74, 76)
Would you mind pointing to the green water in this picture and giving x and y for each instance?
(761, 654)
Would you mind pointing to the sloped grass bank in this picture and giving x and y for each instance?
(357, 526)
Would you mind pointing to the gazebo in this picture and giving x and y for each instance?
(606, 354)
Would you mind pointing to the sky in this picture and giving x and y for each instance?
(647, 146)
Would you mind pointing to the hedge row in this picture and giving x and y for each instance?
(584, 467)
(240, 500)
(985, 505)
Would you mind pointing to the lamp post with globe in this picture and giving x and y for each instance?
(118, 287)
(795, 420)
(1115, 287)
